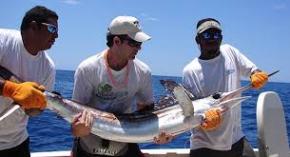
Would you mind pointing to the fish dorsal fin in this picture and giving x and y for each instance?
(184, 100)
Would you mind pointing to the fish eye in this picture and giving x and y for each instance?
(216, 95)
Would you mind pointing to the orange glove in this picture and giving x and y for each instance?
(258, 79)
(212, 119)
(28, 94)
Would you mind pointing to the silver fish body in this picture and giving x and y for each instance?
(131, 128)
(140, 127)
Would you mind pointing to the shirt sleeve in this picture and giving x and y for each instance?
(82, 87)
(145, 93)
(50, 80)
(2, 45)
(190, 83)
(245, 65)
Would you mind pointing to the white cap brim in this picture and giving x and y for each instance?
(139, 36)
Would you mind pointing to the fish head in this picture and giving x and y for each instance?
(226, 99)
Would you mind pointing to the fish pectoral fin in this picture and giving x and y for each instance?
(183, 100)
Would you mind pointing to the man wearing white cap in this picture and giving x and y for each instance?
(113, 81)
(219, 69)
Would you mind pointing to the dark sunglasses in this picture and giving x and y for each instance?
(50, 27)
(211, 35)
(133, 43)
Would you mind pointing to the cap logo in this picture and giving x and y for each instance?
(136, 23)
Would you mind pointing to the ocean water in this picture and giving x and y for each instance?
(49, 132)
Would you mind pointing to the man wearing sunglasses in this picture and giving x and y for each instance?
(23, 53)
(219, 69)
(115, 81)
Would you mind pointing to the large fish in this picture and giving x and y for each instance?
(183, 113)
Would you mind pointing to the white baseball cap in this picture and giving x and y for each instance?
(128, 25)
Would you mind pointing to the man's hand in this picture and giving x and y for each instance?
(29, 95)
(163, 138)
(212, 119)
(82, 124)
(258, 79)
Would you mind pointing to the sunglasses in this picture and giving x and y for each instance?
(211, 35)
(133, 43)
(50, 27)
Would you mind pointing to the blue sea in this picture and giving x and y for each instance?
(49, 132)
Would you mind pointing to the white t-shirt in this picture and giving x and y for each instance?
(94, 87)
(39, 68)
(220, 74)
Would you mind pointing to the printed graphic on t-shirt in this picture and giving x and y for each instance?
(104, 91)
(230, 71)
(111, 98)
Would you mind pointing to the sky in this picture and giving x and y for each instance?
(259, 29)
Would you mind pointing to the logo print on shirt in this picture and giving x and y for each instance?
(110, 99)
(230, 71)
(104, 91)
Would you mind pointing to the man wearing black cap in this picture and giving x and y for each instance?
(219, 69)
